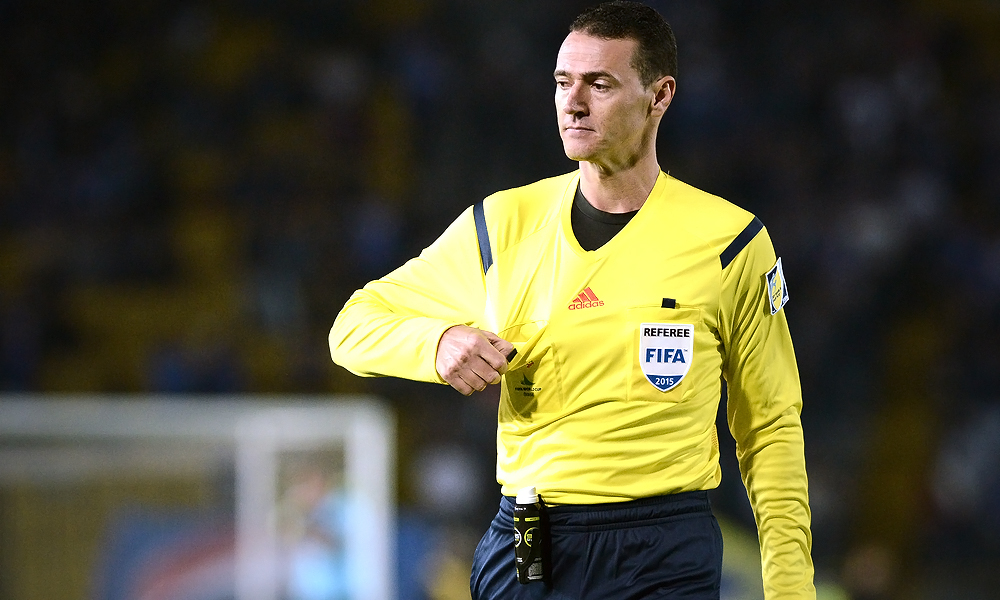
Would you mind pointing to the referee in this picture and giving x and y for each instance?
(628, 296)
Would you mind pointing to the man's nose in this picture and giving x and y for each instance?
(575, 100)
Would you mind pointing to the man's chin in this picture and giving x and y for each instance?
(576, 153)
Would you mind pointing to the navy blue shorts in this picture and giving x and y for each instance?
(661, 547)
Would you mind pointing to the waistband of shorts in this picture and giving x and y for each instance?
(611, 513)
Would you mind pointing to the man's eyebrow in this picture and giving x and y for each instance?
(587, 75)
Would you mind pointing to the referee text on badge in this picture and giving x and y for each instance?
(665, 353)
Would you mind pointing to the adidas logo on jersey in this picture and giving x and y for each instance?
(585, 299)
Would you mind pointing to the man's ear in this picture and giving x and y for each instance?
(663, 93)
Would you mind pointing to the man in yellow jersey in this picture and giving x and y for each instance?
(627, 296)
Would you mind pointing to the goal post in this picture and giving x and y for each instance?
(310, 499)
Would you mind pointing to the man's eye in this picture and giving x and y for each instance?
(562, 84)
(600, 86)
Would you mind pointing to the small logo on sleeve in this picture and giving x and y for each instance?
(777, 291)
(585, 299)
(665, 353)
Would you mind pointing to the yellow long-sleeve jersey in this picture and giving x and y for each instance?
(621, 351)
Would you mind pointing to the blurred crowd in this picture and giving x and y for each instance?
(189, 191)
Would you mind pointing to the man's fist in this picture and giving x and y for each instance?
(469, 359)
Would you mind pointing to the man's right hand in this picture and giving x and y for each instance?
(469, 359)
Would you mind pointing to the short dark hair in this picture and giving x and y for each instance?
(656, 50)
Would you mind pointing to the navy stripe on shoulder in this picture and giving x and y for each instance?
(485, 255)
(740, 242)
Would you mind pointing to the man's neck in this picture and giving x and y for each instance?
(622, 191)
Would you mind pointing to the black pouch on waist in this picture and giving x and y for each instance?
(532, 557)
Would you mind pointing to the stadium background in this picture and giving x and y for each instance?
(189, 191)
